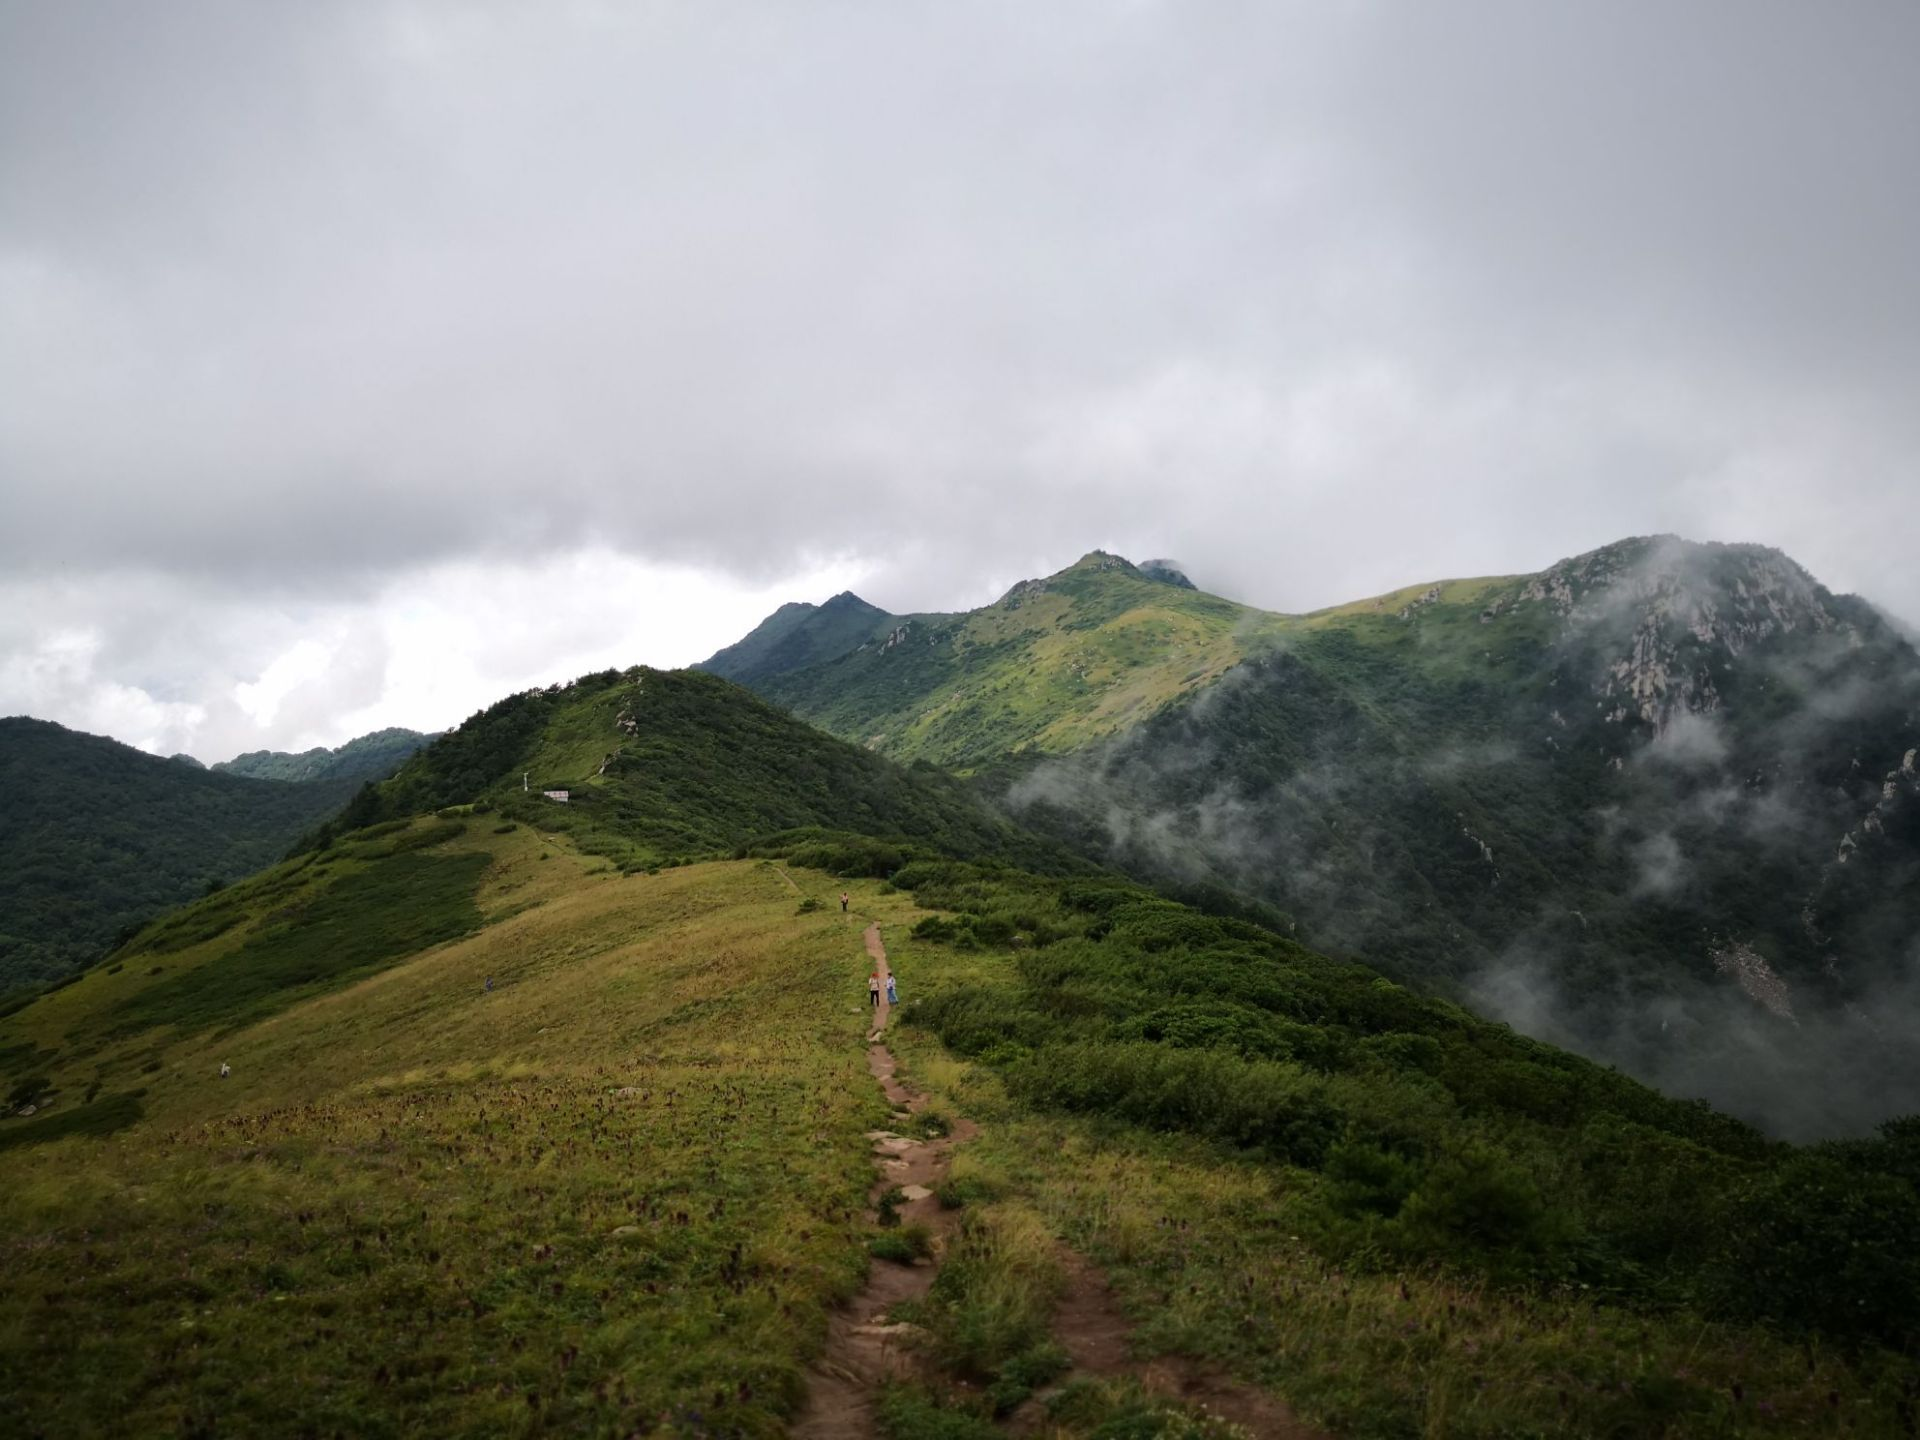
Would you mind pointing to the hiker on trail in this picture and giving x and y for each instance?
(873, 989)
(225, 1069)
(893, 995)
(489, 984)
(843, 902)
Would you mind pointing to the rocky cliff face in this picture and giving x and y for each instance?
(1674, 614)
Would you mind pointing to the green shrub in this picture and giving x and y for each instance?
(1479, 1203)
(1266, 1105)
(1366, 1180)
(910, 1413)
(1820, 1244)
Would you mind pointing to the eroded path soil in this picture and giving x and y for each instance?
(863, 1350)
(1092, 1329)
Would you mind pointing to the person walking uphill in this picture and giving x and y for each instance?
(873, 989)
(893, 995)
(843, 902)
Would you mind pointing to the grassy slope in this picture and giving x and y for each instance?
(1054, 665)
(399, 1214)
(96, 835)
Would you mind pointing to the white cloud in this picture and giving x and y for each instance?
(424, 650)
(57, 677)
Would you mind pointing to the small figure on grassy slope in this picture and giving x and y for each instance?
(893, 995)
(225, 1069)
(843, 902)
(489, 984)
(873, 989)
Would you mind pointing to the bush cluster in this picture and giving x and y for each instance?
(1426, 1135)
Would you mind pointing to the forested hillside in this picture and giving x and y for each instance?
(369, 757)
(95, 836)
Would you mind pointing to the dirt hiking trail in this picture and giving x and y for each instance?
(863, 1350)
(1092, 1329)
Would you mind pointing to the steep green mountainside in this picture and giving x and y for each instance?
(96, 835)
(1052, 666)
(1659, 803)
(661, 765)
(370, 757)
(796, 636)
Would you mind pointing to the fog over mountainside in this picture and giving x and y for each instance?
(1659, 802)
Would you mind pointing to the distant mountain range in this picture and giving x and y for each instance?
(370, 757)
(97, 835)
(1659, 802)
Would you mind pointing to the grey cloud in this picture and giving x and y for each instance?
(301, 303)
(1661, 867)
(1690, 740)
(1834, 1071)
(356, 287)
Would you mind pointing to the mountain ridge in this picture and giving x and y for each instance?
(796, 635)
(373, 756)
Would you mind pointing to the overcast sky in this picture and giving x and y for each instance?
(363, 362)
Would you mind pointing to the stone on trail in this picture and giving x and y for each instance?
(911, 1193)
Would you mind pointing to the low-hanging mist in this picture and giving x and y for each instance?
(1659, 804)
